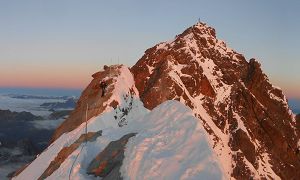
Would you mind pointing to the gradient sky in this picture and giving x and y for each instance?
(60, 43)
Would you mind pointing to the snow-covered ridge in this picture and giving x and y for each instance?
(169, 137)
(124, 93)
(120, 88)
(171, 143)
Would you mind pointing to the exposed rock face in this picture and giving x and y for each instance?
(90, 101)
(107, 164)
(248, 119)
(66, 151)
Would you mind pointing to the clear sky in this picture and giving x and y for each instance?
(60, 43)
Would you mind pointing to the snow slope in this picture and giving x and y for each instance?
(170, 144)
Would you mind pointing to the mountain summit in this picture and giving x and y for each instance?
(190, 108)
(250, 125)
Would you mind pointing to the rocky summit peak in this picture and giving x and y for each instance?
(203, 29)
(246, 116)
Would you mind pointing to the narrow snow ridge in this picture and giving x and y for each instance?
(170, 141)
(172, 144)
(125, 94)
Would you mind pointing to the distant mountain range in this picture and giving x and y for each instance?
(26, 126)
(7, 115)
(17, 96)
(69, 103)
(46, 92)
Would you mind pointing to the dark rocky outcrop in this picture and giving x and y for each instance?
(107, 164)
(90, 97)
(66, 151)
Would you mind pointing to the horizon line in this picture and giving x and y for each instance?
(41, 87)
(82, 88)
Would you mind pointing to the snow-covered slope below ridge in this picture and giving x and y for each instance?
(168, 142)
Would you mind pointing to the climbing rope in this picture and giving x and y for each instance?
(70, 173)
(76, 160)
(86, 117)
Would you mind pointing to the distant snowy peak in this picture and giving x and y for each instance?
(244, 114)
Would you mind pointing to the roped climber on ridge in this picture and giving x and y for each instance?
(103, 83)
(103, 86)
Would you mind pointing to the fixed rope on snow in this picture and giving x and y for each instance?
(86, 116)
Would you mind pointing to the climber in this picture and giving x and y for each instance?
(103, 86)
